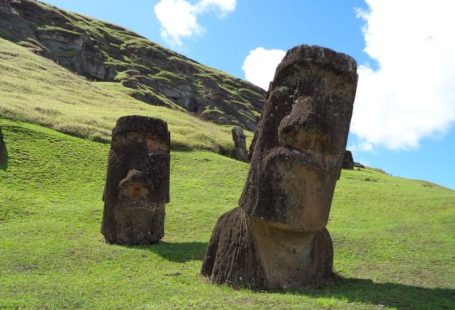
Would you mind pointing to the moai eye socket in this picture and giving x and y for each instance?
(127, 140)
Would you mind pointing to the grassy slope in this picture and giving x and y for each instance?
(393, 237)
(396, 233)
(37, 90)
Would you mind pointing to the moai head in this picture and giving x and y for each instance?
(143, 144)
(301, 139)
(348, 160)
(137, 183)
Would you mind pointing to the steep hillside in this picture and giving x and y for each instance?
(35, 89)
(393, 238)
(105, 52)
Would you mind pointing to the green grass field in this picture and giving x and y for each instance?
(393, 238)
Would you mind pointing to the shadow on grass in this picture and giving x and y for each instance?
(177, 252)
(397, 296)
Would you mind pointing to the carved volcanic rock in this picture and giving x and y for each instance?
(137, 181)
(348, 160)
(277, 239)
(106, 52)
(239, 152)
(3, 152)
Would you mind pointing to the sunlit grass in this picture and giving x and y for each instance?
(393, 237)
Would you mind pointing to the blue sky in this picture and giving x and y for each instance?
(404, 113)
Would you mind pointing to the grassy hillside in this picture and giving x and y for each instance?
(153, 74)
(393, 238)
(35, 89)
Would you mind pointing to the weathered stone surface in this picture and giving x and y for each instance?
(239, 152)
(298, 153)
(137, 181)
(3, 152)
(348, 160)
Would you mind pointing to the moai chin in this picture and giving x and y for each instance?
(276, 238)
(137, 181)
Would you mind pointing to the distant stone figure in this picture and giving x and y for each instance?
(276, 238)
(348, 161)
(239, 152)
(137, 182)
(3, 152)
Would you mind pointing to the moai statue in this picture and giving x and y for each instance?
(137, 182)
(239, 152)
(348, 160)
(276, 238)
(3, 152)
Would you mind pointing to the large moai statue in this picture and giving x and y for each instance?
(276, 238)
(137, 182)
(3, 152)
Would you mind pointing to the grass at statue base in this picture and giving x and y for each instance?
(393, 237)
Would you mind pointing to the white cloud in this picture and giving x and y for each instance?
(179, 18)
(411, 95)
(260, 65)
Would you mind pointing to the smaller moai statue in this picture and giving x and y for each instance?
(239, 152)
(3, 151)
(348, 160)
(137, 181)
(277, 238)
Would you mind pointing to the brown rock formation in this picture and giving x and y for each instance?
(239, 152)
(277, 239)
(137, 182)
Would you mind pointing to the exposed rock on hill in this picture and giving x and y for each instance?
(105, 52)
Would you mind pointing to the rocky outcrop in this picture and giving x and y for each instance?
(348, 160)
(137, 181)
(105, 52)
(239, 152)
(277, 238)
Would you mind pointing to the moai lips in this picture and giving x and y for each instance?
(298, 152)
(137, 182)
